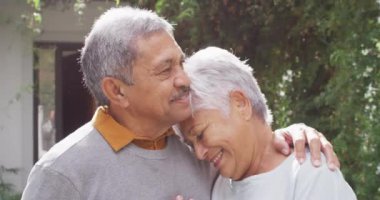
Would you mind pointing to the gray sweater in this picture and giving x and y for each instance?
(84, 166)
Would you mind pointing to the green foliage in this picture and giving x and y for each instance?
(318, 62)
(35, 19)
(6, 189)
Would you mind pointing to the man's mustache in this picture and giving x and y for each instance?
(183, 91)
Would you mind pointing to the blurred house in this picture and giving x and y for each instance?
(42, 98)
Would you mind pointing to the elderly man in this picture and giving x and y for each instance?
(133, 67)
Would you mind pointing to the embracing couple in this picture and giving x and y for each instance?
(145, 88)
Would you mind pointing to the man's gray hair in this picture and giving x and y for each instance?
(110, 48)
(214, 73)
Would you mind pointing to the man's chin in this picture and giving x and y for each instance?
(182, 114)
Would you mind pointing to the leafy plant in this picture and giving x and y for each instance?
(318, 62)
(6, 189)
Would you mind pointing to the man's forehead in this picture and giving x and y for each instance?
(156, 37)
(159, 47)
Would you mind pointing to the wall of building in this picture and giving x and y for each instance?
(16, 99)
(16, 74)
(66, 25)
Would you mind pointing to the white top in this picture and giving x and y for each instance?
(289, 180)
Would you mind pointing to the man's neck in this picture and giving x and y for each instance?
(143, 127)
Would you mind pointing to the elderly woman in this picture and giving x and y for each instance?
(231, 129)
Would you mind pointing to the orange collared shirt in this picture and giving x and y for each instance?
(118, 136)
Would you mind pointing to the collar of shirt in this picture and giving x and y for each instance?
(118, 136)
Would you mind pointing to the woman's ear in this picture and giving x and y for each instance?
(114, 90)
(240, 104)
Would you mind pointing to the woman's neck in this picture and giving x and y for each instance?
(265, 157)
(271, 157)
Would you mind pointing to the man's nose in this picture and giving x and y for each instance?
(200, 151)
(181, 79)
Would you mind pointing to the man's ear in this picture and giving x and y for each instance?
(240, 104)
(114, 90)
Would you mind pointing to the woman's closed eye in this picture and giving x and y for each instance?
(199, 136)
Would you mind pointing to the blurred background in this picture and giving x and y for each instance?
(318, 62)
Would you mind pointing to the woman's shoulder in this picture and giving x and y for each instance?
(319, 182)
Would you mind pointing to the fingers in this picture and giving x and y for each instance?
(314, 142)
(297, 134)
(280, 142)
(299, 145)
(317, 143)
(327, 149)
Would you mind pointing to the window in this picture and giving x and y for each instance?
(62, 103)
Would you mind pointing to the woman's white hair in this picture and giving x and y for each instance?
(214, 73)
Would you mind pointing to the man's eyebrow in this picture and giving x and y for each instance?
(160, 64)
(171, 60)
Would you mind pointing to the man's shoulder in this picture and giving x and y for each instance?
(76, 148)
(180, 148)
(187, 158)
